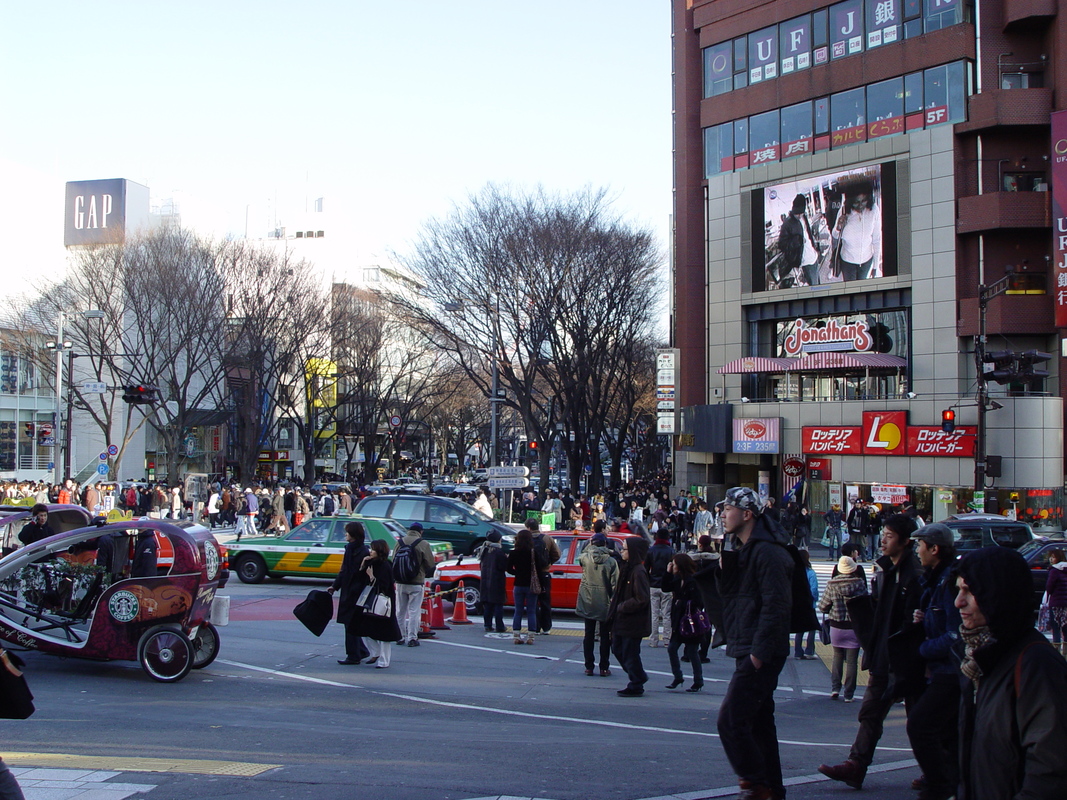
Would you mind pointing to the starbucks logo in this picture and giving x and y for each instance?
(211, 560)
(123, 606)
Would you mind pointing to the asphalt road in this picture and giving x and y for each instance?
(464, 716)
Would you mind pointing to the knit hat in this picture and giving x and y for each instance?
(599, 539)
(846, 565)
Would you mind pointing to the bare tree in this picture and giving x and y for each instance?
(549, 288)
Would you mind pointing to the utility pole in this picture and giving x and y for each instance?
(985, 294)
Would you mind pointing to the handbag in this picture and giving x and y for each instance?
(1042, 618)
(824, 631)
(694, 624)
(535, 581)
(374, 602)
(16, 700)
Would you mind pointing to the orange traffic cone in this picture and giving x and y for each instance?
(437, 614)
(459, 610)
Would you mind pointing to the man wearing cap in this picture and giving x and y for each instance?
(1013, 719)
(409, 595)
(755, 585)
(895, 594)
(934, 718)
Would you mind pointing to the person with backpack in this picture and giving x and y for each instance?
(600, 574)
(756, 587)
(548, 553)
(525, 562)
(412, 563)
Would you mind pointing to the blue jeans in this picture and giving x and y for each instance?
(834, 535)
(524, 598)
(798, 646)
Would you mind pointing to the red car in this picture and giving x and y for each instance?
(566, 572)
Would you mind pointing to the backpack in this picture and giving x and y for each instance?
(406, 562)
(802, 616)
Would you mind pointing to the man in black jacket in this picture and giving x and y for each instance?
(1013, 720)
(656, 562)
(756, 590)
(895, 593)
(351, 580)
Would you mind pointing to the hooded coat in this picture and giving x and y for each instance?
(755, 584)
(493, 561)
(630, 609)
(600, 576)
(1013, 726)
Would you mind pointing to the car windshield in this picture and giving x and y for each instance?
(1030, 548)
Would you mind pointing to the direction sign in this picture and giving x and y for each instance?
(395, 421)
(509, 472)
(508, 483)
(101, 469)
(94, 387)
(112, 450)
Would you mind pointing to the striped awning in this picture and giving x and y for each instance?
(814, 362)
(751, 364)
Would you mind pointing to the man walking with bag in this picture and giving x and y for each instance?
(412, 562)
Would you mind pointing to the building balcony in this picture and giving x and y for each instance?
(1027, 14)
(1007, 107)
(995, 210)
(1008, 314)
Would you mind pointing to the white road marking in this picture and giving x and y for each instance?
(523, 714)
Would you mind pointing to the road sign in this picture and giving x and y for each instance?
(101, 469)
(112, 450)
(508, 483)
(94, 387)
(44, 429)
(395, 421)
(509, 472)
(103, 456)
(47, 441)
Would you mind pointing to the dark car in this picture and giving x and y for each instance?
(1036, 553)
(442, 518)
(972, 531)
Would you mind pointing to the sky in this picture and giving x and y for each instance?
(245, 112)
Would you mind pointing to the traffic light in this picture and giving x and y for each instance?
(882, 341)
(948, 420)
(1027, 362)
(30, 429)
(139, 394)
(533, 444)
(1002, 366)
(993, 466)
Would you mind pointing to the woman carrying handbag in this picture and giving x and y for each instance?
(686, 602)
(380, 630)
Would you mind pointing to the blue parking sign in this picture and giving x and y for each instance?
(101, 469)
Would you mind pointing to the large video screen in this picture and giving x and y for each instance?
(825, 229)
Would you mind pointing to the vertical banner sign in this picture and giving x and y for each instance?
(1059, 212)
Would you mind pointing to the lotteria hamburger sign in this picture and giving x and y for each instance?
(829, 336)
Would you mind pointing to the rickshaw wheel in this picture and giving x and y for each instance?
(205, 645)
(166, 654)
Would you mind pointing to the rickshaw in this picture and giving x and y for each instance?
(62, 517)
(136, 590)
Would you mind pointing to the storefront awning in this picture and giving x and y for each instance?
(751, 364)
(816, 362)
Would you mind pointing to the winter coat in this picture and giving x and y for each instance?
(520, 565)
(1056, 585)
(659, 556)
(896, 594)
(941, 622)
(381, 629)
(351, 580)
(493, 561)
(425, 555)
(837, 593)
(600, 576)
(755, 583)
(685, 596)
(630, 609)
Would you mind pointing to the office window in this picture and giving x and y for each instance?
(741, 136)
(846, 29)
(718, 149)
(938, 14)
(913, 18)
(945, 93)
(764, 137)
(885, 108)
(883, 22)
(794, 44)
(822, 115)
(848, 119)
(820, 37)
(913, 93)
(740, 62)
(718, 69)
(797, 130)
(763, 55)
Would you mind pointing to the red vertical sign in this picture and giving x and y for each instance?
(1059, 212)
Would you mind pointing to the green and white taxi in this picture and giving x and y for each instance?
(312, 549)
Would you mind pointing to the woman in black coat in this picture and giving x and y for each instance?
(686, 597)
(351, 580)
(380, 631)
(493, 586)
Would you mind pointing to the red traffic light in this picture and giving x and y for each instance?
(533, 445)
(948, 420)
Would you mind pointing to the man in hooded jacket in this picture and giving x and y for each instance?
(1013, 719)
(755, 585)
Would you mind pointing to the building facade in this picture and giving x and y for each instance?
(850, 179)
